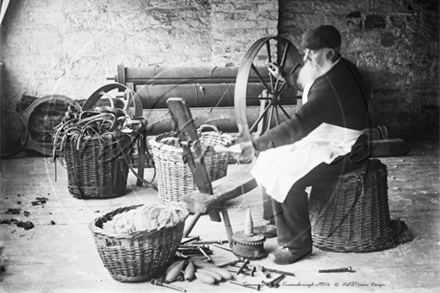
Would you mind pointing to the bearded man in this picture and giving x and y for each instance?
(323, 139)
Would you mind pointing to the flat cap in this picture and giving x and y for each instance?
(323, 36)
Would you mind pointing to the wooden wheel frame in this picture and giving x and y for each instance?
(27, 142)
(271, 101)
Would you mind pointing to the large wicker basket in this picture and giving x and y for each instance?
(97, 164)
(174, 177)
(351, 214)
(98, 168)
(139, 256)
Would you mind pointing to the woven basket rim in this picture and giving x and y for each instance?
(100, 231)
(165, 147)
(178, 149)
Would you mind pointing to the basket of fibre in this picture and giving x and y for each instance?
(136, 243)
(174, 177)
(96, 144)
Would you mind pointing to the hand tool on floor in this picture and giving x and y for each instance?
(265, 273)
(246, 243)
(190, 240)
(193, 247)
(243, 266)
(275, 282)
(211, 242)
(264, 269)
(340, 270)
(205, 254)
(245, 272)
(232, 263)
(222, 247)
(159, 282)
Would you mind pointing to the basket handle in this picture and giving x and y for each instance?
(204, 126)
(96, 95)
(165, 139)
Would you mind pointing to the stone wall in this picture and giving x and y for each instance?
(70, 47)
(395, 44)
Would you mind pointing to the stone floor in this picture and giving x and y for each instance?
(59, 255)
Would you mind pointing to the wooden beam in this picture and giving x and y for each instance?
(231, 186)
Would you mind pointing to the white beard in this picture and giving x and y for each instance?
(311, 71)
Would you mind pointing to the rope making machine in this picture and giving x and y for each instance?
(245, 99)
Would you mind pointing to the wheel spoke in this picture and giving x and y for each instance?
(260, 78)
(277, 116)
(282, 63)
(269, 58)
(260, 117)
(269, 120)
(291, 72)
(284, 111)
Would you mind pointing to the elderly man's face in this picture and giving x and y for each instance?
(316, 63)
(316, 57)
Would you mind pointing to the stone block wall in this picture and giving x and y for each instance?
(70, 47)
(395, 44)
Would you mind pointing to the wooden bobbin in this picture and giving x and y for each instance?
(246, 244)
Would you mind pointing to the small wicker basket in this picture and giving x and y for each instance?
(139, 256)
(174, 176)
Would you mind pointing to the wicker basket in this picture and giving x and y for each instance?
(98, 168)
(174, 176)
(139, 256)
(97, 164)
(351, 214)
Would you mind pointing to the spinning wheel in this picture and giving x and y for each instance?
(258, 111)
(255, 89)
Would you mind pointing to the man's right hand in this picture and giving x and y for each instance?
(247, 152)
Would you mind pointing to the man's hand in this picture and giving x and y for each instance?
(247, 152)
(276, 71)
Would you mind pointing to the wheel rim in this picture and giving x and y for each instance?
(260, 100)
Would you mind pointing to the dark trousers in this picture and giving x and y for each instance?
(292, 216)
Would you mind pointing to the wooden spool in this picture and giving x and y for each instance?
(246, 244)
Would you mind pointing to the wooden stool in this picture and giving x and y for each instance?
(351, 214)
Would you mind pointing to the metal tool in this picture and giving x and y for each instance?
(205, 254)
(274, 283)
(193, 247)
(179, 254)
(257, 287)
(340, 270)
(265, 273)
(232, 263)
(222, 247)
(159, 282)
(190, 240)
(243, 266)
(211, 242)
(264, 269)
(245, 272)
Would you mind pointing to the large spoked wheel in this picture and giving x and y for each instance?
(260, 100)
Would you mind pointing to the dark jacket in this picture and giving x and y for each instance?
(339, 97)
